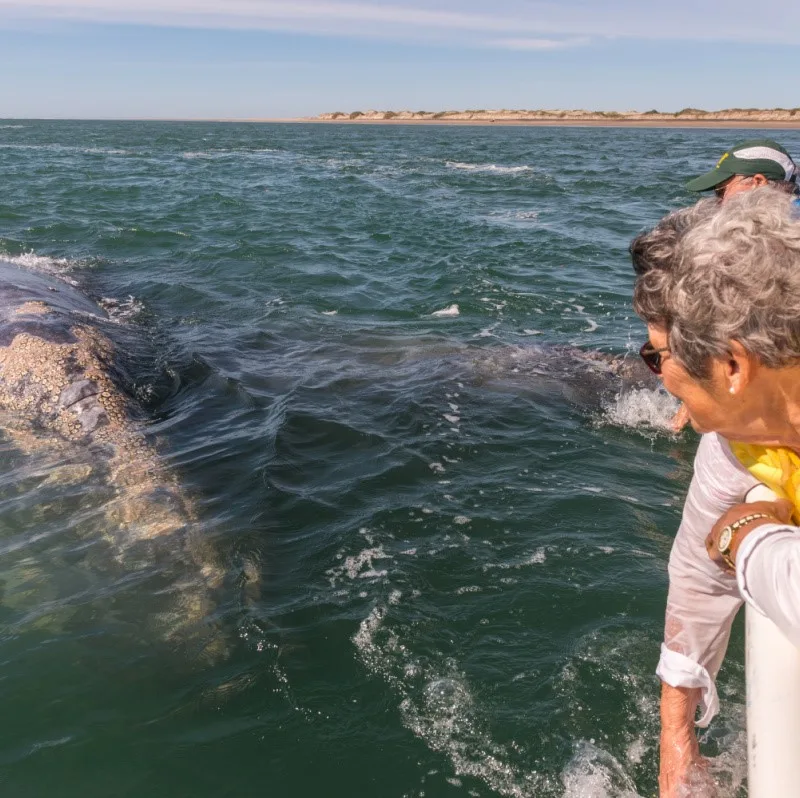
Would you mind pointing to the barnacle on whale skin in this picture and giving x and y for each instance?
(58, 403)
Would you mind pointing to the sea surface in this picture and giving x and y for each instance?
(444, 536)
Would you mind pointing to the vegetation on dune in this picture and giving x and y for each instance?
(577, 115)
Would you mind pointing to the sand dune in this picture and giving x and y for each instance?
(788, 117)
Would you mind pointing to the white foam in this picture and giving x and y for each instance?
(448, 312)
(487, 332)
(65, 148)
(488, 167)
(122, 310)
(642, 408)
(355, 566)
(536, 557)
(729, 769)
(59, 267)
(595, 773)
(515, 216)
(359, 566)
(213, 155)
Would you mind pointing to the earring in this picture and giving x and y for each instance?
(731, 389)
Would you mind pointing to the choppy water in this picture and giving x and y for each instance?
(454, 545)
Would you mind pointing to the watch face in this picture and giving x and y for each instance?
(724, 542)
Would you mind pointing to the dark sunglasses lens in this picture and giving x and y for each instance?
(651, 357)
(722, 188)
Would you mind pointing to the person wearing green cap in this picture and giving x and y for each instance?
(747, 165)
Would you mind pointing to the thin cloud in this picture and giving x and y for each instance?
(539, 44)
(315, 16)
(527, 24)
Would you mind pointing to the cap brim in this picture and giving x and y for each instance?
(709, 180)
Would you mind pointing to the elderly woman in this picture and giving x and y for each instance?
(719, 288)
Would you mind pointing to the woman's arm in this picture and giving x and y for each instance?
(764, 552)
(680, 752)
(701, 605)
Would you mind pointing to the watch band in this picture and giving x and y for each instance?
(728, 532)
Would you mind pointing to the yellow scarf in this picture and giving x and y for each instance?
(778, 469)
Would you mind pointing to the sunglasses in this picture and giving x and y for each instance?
(652, 356)
(722, 189)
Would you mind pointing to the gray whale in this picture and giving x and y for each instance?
(61, 404)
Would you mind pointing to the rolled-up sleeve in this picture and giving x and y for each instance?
(702, 599)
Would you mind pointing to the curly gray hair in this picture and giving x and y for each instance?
(718, 272)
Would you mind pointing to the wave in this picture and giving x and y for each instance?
(439, 703)
(122, 311)
(489, 167)
(642, 408)
(515, 219)
(56, 267)
(214, 155)
(517, 216)
(66, 149)
(436, 703)
(594, 771)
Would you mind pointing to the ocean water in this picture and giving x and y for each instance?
(444, 530)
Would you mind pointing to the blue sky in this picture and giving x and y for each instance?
(288, 58)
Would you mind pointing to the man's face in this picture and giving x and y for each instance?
(738, 183)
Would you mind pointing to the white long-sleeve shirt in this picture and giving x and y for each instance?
(703, 599)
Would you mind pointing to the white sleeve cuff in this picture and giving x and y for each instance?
(745, 552)
(678, 670)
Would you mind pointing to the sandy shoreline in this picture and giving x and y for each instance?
(656, 123)
(741, 124)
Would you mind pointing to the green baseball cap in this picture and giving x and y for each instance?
(751, 157)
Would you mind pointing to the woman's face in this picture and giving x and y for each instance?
(711, 407)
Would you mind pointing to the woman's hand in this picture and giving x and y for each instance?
(682, 772)
(777, 512)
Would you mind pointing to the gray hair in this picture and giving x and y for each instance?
(720, 272)
(789, 186)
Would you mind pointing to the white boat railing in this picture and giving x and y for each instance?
(773, 710)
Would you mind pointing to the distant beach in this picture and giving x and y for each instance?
(688, 117)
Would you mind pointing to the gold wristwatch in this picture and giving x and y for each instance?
(728, 532)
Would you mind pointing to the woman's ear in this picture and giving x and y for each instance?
(740, 367)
